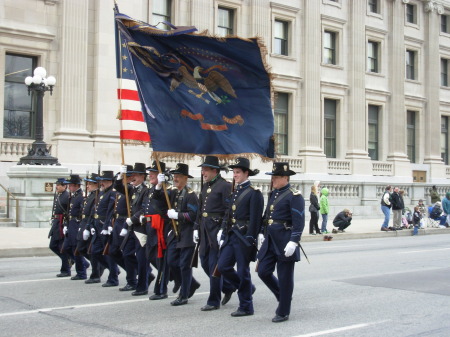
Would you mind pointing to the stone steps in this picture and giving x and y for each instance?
(6, 222)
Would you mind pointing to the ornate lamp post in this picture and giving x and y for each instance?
(39, 153)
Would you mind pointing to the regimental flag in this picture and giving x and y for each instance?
(202, 95)
(133, 128)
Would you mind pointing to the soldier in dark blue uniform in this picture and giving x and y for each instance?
(72, 225)
(136, 192)
(240, 233)
(284, 220)
(214, 201)
(87, 215)
(157, 228)
(103, 213)
(56, 235)
(180, 249)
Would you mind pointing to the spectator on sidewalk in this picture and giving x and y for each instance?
(324, 209)
(386, 207)
(423, 211)
(342, 221)
(397, 208)
(437, 214)
(446, 206)
(417, 216)
(314, 210)
(434, 195)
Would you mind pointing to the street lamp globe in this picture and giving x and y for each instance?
(37, 79)
(51, 80)
(40, 71)
(28, 80)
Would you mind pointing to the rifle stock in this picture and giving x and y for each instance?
(194, 261)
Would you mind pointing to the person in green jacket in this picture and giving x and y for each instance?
(434, 195)
(324, 209)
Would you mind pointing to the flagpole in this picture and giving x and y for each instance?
(174, 225)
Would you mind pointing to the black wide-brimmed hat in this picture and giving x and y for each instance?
(60, 181)
(74, 179)
(181, 169)
(92, 178)
(130, 170)
(281, 169)
(212, 161)
(106, 175)
(154, 167)
(243, 163)
(138, 168)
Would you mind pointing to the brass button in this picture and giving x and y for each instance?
(270, 221)
(208, 190)
(233, 220)
(83, 216)
(233, 207)
(271, 207)
(96, 216)
(205, 214)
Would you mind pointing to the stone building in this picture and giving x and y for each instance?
(363, 88)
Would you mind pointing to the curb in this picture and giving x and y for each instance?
(45, 251)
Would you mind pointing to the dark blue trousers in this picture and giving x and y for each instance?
(81, 263)
(179, 260)
(231, 254)
(216, 284)
(143, 267)
(55, 247)
(283, 287)
(99, 260)
(130, 261)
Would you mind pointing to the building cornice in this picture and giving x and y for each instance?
(284, 7)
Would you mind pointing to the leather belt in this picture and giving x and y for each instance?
(100, 217)
(239, 224)
(118, 216)
(286, 224)
(74, 218)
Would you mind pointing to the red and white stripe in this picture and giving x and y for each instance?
(133, 125)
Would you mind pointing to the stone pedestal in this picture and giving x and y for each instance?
(34, 187)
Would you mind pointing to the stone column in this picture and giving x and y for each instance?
(203, 15)
(260, 21)
(72, 81)
(432, 90)
(396, 113)
(311, 123)
(357, 111)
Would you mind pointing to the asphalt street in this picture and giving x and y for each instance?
(396, 286)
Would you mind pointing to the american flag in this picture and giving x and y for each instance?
(133, 128)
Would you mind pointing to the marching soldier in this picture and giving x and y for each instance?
(239, 245)
(136, 192)
(103, 212)
(214, 201)
(73, 225)
(154, 216)
(181, 249)
(84, 233)
(284, 220)
(56, 235)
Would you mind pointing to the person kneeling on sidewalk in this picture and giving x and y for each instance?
(342, 221)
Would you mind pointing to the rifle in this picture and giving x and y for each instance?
(265, 226)
(77, 253)
(194, 260)
(174, 225)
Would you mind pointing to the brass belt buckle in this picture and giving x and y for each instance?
(270, 221)
(205, 214)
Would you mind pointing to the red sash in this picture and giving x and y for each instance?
(158, 224)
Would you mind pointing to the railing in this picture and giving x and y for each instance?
(339, 166)
(9, 195)
(13, 151)
(382, 169)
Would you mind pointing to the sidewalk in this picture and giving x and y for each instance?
(22, 242)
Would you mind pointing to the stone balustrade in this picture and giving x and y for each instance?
(336, 166)
(382, 168)
(13, 151)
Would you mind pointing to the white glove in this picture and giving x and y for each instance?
(219, 236)
(92, 231)
(141, 218)
(104, 232)
(260, 240)
(195, 236)
(290, 248)
(220, 243)
(172, 214)
(110, 229)
(123, 232)
(85, 234)
(65, 230)
(129, 222)
(161, 179)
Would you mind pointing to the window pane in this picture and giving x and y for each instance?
(444, 72)
(330, 128)
(329, 48)
(17, 124)
(281, 122)
(161, 12)
(225, 24)
(18, 67)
